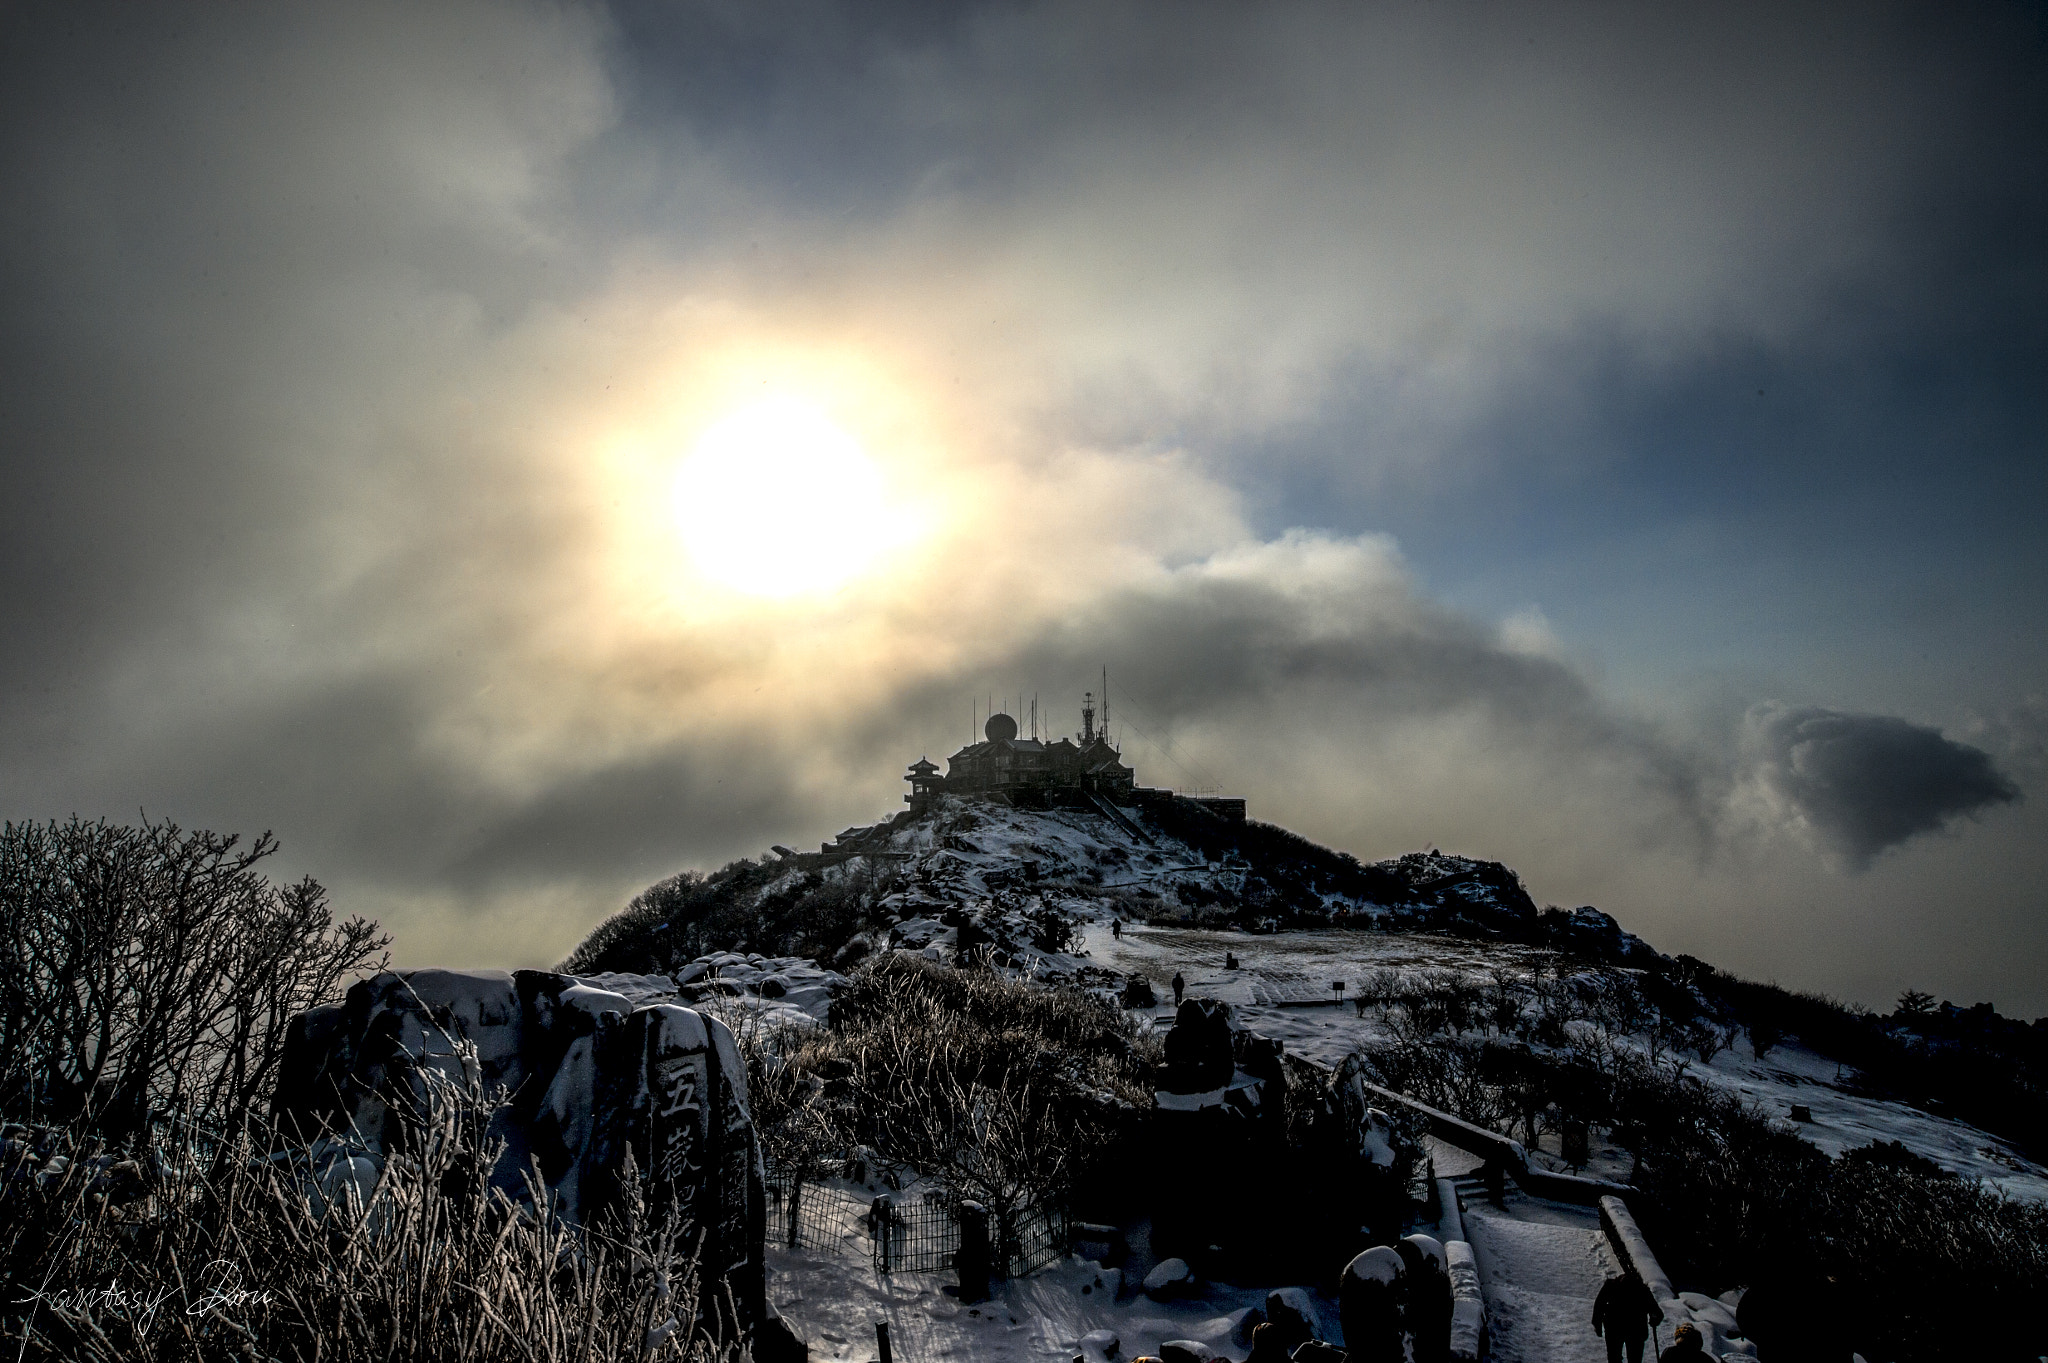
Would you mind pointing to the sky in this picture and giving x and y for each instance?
(519, 451)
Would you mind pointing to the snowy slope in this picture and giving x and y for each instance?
(1181, 906)
(1274, 971)
(1181, 901)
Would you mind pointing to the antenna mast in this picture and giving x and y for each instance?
(1105, 703)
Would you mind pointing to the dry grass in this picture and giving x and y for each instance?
(227, 1256)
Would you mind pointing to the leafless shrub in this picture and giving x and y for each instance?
(1000, 1090)
(1501, 999)
(1441, 1071)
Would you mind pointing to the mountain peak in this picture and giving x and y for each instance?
(1043, 856)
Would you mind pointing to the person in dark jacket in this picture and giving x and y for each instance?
(1180, 986)
(1686, 1345)
(1623, 1314)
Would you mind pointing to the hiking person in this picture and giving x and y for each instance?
(1116, 928)
(1180, 987)
(1687, 1346)
(1623, 1314)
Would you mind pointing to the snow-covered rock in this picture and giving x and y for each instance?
(1170, 1278)
(1101, 1343)
(1376, 1265)
(596, 1079)
(1292, 1314)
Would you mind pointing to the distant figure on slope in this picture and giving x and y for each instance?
(1116, 928)
(1686, 1345)
(1230, 960)
(1623, 1314)
(1180, 987)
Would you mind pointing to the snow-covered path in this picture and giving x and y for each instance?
(1542, 1264)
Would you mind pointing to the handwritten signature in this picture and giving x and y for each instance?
(220, 1284)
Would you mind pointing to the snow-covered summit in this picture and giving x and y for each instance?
(1030, 865)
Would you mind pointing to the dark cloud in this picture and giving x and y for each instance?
(309, 314)
(1865, 783)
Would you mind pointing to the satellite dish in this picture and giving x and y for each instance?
(1000, 727)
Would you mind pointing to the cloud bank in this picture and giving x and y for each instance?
(352, 354)
(1860, 784)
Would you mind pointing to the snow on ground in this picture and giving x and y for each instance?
(834, 1298)
(1842, 1120)
(1541, 1264)
(1279, 977)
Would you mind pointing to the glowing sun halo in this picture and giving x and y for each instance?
(775, 500)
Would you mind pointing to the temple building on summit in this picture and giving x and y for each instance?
(1085, 769)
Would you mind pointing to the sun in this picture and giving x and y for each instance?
(775, 500)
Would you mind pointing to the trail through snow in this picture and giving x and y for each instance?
(1542, 1263)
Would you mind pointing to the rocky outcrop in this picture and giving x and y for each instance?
(599, 1075)
(1586, 931)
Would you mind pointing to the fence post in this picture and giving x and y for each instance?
(796, 1192)
(882, 1341)
(975, 1260)
(882, 1216)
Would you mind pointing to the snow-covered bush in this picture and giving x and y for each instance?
(763, 906)
(1002, 1091)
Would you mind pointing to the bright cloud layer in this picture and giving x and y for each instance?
(517, 452)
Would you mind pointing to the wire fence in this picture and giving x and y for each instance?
(807, 1215)
(923, 1235)
(914, 1233)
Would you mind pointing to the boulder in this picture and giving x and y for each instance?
(1369, 1305)
(1101, 1343)
(1292, 1316)
(1170, 1278)
(598, 1083)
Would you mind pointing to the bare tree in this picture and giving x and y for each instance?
(152, 970)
